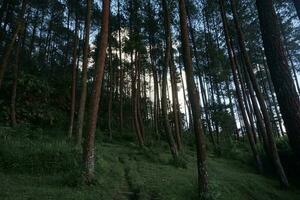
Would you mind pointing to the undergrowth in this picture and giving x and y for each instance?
(41, 164)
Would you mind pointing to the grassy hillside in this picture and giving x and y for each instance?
(38, 164)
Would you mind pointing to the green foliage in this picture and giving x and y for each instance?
(45, 167)
(180, 161)
(36, 103)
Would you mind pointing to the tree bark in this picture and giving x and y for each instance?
(250, 74)
(135, 98)
(74, 78)
(173, 146)
(10, 45)
(121, 70)
(83, 94)
(111, 90)
(89, 151)
(280, 74)
(203, 92)
(233, 65)
(169, 63)
(156, 94)
(195, 102)
(14, 85)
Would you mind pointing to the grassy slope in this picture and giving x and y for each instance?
(39, 168)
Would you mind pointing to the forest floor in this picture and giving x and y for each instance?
(37, 167)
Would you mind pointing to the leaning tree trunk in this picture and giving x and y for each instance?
(194, 100)
(280, 74)
(233, 65)
(89, 150)
(268, 127)
(169, 63)
(83, 94)
(203, 92)
(173, 147)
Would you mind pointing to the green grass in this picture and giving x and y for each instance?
(40, 166)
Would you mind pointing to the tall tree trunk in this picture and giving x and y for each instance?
(10, 45)
(138, 103)
(175, 103)
(275, 103)
(111, 90)
(271, 143)
(233, 65)
(84, 78)
(293, 67)
(174, 147)
(121, 70)
(135, 98)
(278, 65)
(14, 85)
(231, 107)
(195, 101)
(74, 78)
(203, 92)
(89, 150)
(34, 31)
(169, 63)
(156, 94)
(189, 117)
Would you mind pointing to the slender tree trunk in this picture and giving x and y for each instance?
(34, 31)
(10, 45)
(238, 89)
(14, 85)
(189, 117)
(278, 65)
(195, 101)
(89, 150)
(138, 102)
(135, 99)
(275, 103)
(245, 95)
(173, 146)
(293, 67)
(156, 94)
(205, 102)
(164, 104)
(74, 78)
(81, 111)
(260, 123)
(265, 93)
(231, 107)
(169, 63)
(268, 127)
(111, 90)
(121, 71)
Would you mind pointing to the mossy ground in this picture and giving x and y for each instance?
(41, 165)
